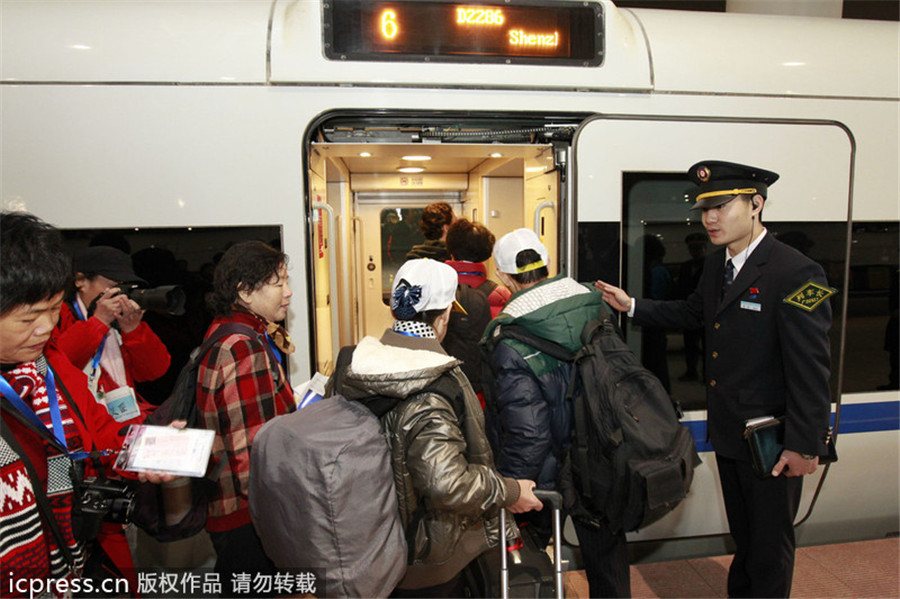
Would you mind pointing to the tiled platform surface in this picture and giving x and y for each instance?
(862, 570)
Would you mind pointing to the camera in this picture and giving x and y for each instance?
(97, 501)
(167, 299)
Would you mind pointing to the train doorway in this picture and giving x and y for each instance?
(369, 180)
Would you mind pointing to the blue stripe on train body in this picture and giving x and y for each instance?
(855, 418)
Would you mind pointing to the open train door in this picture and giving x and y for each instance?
(629, 183)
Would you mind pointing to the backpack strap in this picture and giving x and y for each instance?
(583, 410)
(487, 287)
(517, 332)
(226, 329)
(446, 387)
(341, 366)
(230, 328)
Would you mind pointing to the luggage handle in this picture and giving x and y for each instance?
(555, 499)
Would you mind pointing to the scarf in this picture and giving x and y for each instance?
(279, 335)
(414, 328)
(27, 379)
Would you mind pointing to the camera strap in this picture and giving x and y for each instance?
(40, 497)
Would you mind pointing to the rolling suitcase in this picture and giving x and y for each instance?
(525, 571)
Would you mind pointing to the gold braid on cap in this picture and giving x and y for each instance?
(725, 192)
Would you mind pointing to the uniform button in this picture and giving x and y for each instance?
(716, 326)
(715, 355)
(712, 383)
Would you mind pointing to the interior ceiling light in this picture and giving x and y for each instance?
(496, 155)
(416, 158)
(365, 154)
(410, 169)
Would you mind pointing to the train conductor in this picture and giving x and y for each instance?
(765, 314)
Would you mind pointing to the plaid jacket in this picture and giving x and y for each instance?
(239, 390)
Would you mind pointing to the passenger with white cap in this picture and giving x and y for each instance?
(448, 490)
(529, 420)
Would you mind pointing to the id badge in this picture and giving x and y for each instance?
(122, 404)
(93, 377)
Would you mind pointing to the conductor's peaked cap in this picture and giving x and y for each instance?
(718, 182)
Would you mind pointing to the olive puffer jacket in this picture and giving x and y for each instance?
(529, 422)
(438, 458)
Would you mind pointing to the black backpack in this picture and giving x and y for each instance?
(631, 461)
(464, 331)
(149, 506)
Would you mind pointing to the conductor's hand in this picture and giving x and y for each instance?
(527, 501)
(615, 297)
(792, 464)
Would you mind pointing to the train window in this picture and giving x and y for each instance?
(664, 248)
(399, 233)
(598, 251)
(872, 351)
(174, 256)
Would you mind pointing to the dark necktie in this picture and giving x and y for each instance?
(728, 277)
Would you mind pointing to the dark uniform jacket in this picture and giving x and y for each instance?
(765, 355)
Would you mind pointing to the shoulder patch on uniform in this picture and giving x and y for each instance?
(810, 296)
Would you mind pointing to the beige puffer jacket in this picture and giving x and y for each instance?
(433, 457)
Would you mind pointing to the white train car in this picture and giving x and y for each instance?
(188, 125)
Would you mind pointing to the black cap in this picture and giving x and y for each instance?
(106, 261)
(720, 181)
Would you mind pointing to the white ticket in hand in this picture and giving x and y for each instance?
(183, 452)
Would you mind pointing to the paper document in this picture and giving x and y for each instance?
(311, 391)
(184, 452)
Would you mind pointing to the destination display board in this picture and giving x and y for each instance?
(513, 32)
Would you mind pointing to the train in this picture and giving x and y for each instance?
(326, 126)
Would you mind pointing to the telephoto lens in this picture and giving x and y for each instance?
(167, 299)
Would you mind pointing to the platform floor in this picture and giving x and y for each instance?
(863, 570)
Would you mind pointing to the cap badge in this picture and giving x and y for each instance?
(810, 296)
(703, 174)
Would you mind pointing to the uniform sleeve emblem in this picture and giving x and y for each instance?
(810, 296)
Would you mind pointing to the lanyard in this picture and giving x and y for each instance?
(407, 333)
(274, 347)
(95, 362)
(55, 415)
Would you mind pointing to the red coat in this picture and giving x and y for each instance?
(474, 274)
(144, 354)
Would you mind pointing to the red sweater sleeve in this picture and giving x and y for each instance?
(77, 339)
(145, 355)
